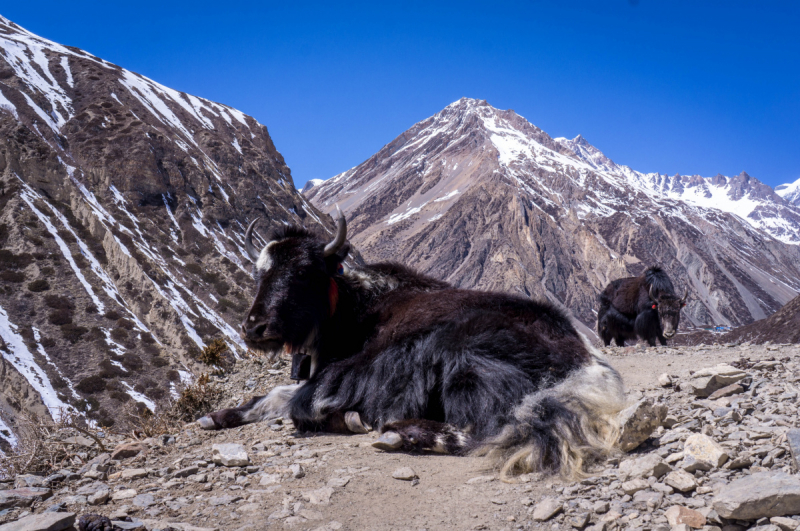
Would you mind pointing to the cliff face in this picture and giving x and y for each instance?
(122, 209)
(484, 199)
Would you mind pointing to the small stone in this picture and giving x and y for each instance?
(702, 453)
(665, 380)
(339, 482)
(639, 421)
(28, 480)
(144, 500)
(127, 450)
(793, 438)
(230, 454)
(634, 486)
(297, 471)
(99, 497)
(677, 515)
(786, 524)
(269, 479)
(134, 473)
(760, 495)
(580, 520)
(124, 494)
(644, 467)
(728, 390)
(47, 521)
(320, 496)
(406, 474)
(186, 472)
(216, 501)
(23, 497)
(600, 507)
(681, 481)
(546, 509)
(480, 480)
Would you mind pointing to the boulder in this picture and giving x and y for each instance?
(46, 521)
(701, 452)
(127, 450)
(644, 467)
(23, 497)
(546, 509)
(760, 495)
(705, 381)
(230, 454)
(678, 514)
(639, 421)
(681, 481)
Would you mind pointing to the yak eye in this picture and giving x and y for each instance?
(412, 440)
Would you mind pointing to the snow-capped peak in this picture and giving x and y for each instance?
(790, 192)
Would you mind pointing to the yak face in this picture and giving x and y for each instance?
(295, 290)
(669, 311)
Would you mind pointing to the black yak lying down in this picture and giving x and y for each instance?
(432, 367)
(645, 306)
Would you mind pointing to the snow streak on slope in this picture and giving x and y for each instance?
(17, 353)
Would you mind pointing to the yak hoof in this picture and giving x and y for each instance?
(390, 440)
(207, 423)
(354, 424)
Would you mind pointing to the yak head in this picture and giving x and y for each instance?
(295, 287)
(669, 310)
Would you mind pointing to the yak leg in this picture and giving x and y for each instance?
(416, 435)
(662, 340)
(619, 340)
(272, 406)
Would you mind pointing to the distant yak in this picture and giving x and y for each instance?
(645, 306)
(431, 367)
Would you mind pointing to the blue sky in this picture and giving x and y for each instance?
(690, 87)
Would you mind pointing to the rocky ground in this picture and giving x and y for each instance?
(719, 456)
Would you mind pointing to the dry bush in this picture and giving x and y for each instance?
(40, 448)
(145, 423)
(197, 399)
(212, 354)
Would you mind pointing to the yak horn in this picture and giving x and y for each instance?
(252, 252)
(650, 292)
(685, 294)
(341, 235)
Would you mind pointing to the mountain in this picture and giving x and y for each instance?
(790, 192)
(123, 205)
(485, 199)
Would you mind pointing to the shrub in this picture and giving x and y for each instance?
(196, 400)
(147, 338)
(61, 316)
(119, 396)
(155, 393)
(90, 308)
(212, 353)
(112, 315)
(222, 287)
(12, 276)
(158, 361)
(58, 302)
(124, 323)
(48, 342)
(73, 333)
(139, 388)
(148, 382)
(38, 285)
(47, 271)
(151, 350)
(119, 334)
(109, 370)
(193, 268)
(9, 260)
(131, 361)
(173, 375)
(91, 384)
(95, 334)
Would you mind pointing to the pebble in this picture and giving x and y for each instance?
(546, 508)
(230, 454)
(406, 474)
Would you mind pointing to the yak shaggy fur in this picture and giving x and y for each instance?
(645, 307)
(449, 370)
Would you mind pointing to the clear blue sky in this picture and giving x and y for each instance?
(693, 87)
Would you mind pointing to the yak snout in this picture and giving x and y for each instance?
(254, 329)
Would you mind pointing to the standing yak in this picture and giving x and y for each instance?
(432, 367)
(645, 306)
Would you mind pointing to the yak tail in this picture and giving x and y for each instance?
(563, 429)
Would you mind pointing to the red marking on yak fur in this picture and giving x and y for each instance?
(333, 296)
(655, 306)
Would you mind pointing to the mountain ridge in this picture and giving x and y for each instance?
(566, 219)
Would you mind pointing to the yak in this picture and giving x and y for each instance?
(431, 367)
(645, 307)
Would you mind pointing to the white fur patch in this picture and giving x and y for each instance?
(274, 405)
(370, 280)
(264, 261)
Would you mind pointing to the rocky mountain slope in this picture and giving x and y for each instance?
(122, 209)
(790, 192)
(485, 199)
